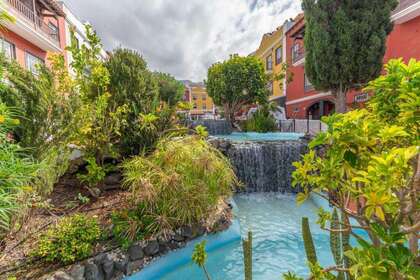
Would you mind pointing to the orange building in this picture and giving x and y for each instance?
(203, 106)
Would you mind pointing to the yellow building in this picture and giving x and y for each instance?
(273, 54)
(203, 105)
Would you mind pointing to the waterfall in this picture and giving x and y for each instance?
(264, 166)
(214, 127)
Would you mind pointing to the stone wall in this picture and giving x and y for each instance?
(117, 264)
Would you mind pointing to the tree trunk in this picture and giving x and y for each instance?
(229, 114)
(340, 100)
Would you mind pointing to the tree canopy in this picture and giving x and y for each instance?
(236, 82)
(345, 42)
(170, 90)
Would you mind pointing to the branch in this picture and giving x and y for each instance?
(329, 269)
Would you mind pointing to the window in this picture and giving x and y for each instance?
(307, 84)
(8, 49)
(53, 31)
(32, 62)
(279, 53)
(269, 63)
(270, 87)
(204, 97)
(194, 97)
(195, 106)
(204, 107)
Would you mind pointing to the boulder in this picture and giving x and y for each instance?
(134, 266)
(77, 272)
(135, 252)
(113, 179)
(152, 248)
(93, 272)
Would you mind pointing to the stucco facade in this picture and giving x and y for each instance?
(200, 100)
(272, 53)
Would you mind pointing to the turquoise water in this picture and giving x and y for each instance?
(254, 136)
(275, 221)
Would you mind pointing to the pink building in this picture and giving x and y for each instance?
(38, 29)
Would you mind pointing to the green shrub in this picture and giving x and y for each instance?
(133, 224)
(72, 239)
(261, 121)
(179, 184)
(16, 170)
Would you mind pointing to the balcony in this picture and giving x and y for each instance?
(31, 27)
(298, 55)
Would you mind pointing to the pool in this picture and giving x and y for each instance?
(275, 221)
(254, 136)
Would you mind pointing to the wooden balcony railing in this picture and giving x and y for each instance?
(37, 22)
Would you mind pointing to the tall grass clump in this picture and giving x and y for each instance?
(16, 170)
(179, 184)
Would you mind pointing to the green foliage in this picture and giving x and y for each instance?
(95, 173)
(336, 245)
(72, 239)
(171, 91)
(371, 158)
(261, 121)
(345, 42)
(247, 251)
(17, 170)
(201, 131)
(237, 82)
(133, 85)
(291, 276)
(308, 241)
(180, 183)
(97, 124)
(199, 257)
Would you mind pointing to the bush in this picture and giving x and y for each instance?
(371, 157)
(261, 121)
(72, 239)
(179, 184)
(133, 85)
(16, 170)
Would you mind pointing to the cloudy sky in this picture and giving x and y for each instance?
(184, 37)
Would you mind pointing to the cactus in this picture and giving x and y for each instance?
(336, 240)
(247, 250)
(308, 241)
(345, 239)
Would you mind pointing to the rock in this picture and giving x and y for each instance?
(135, 252)
(173, 244)
(178, 237)
(108, 268)
(77, 272)
(134, 266)
(99, 259)
(182, 244)
(198, 230)
(152, 248)
(121, 264)
(61, 275)
(187, 232)
(93, 272)
(113, 179)
(163, 248)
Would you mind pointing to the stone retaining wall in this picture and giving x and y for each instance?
(118, 263)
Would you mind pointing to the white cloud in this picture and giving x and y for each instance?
(184, 37)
